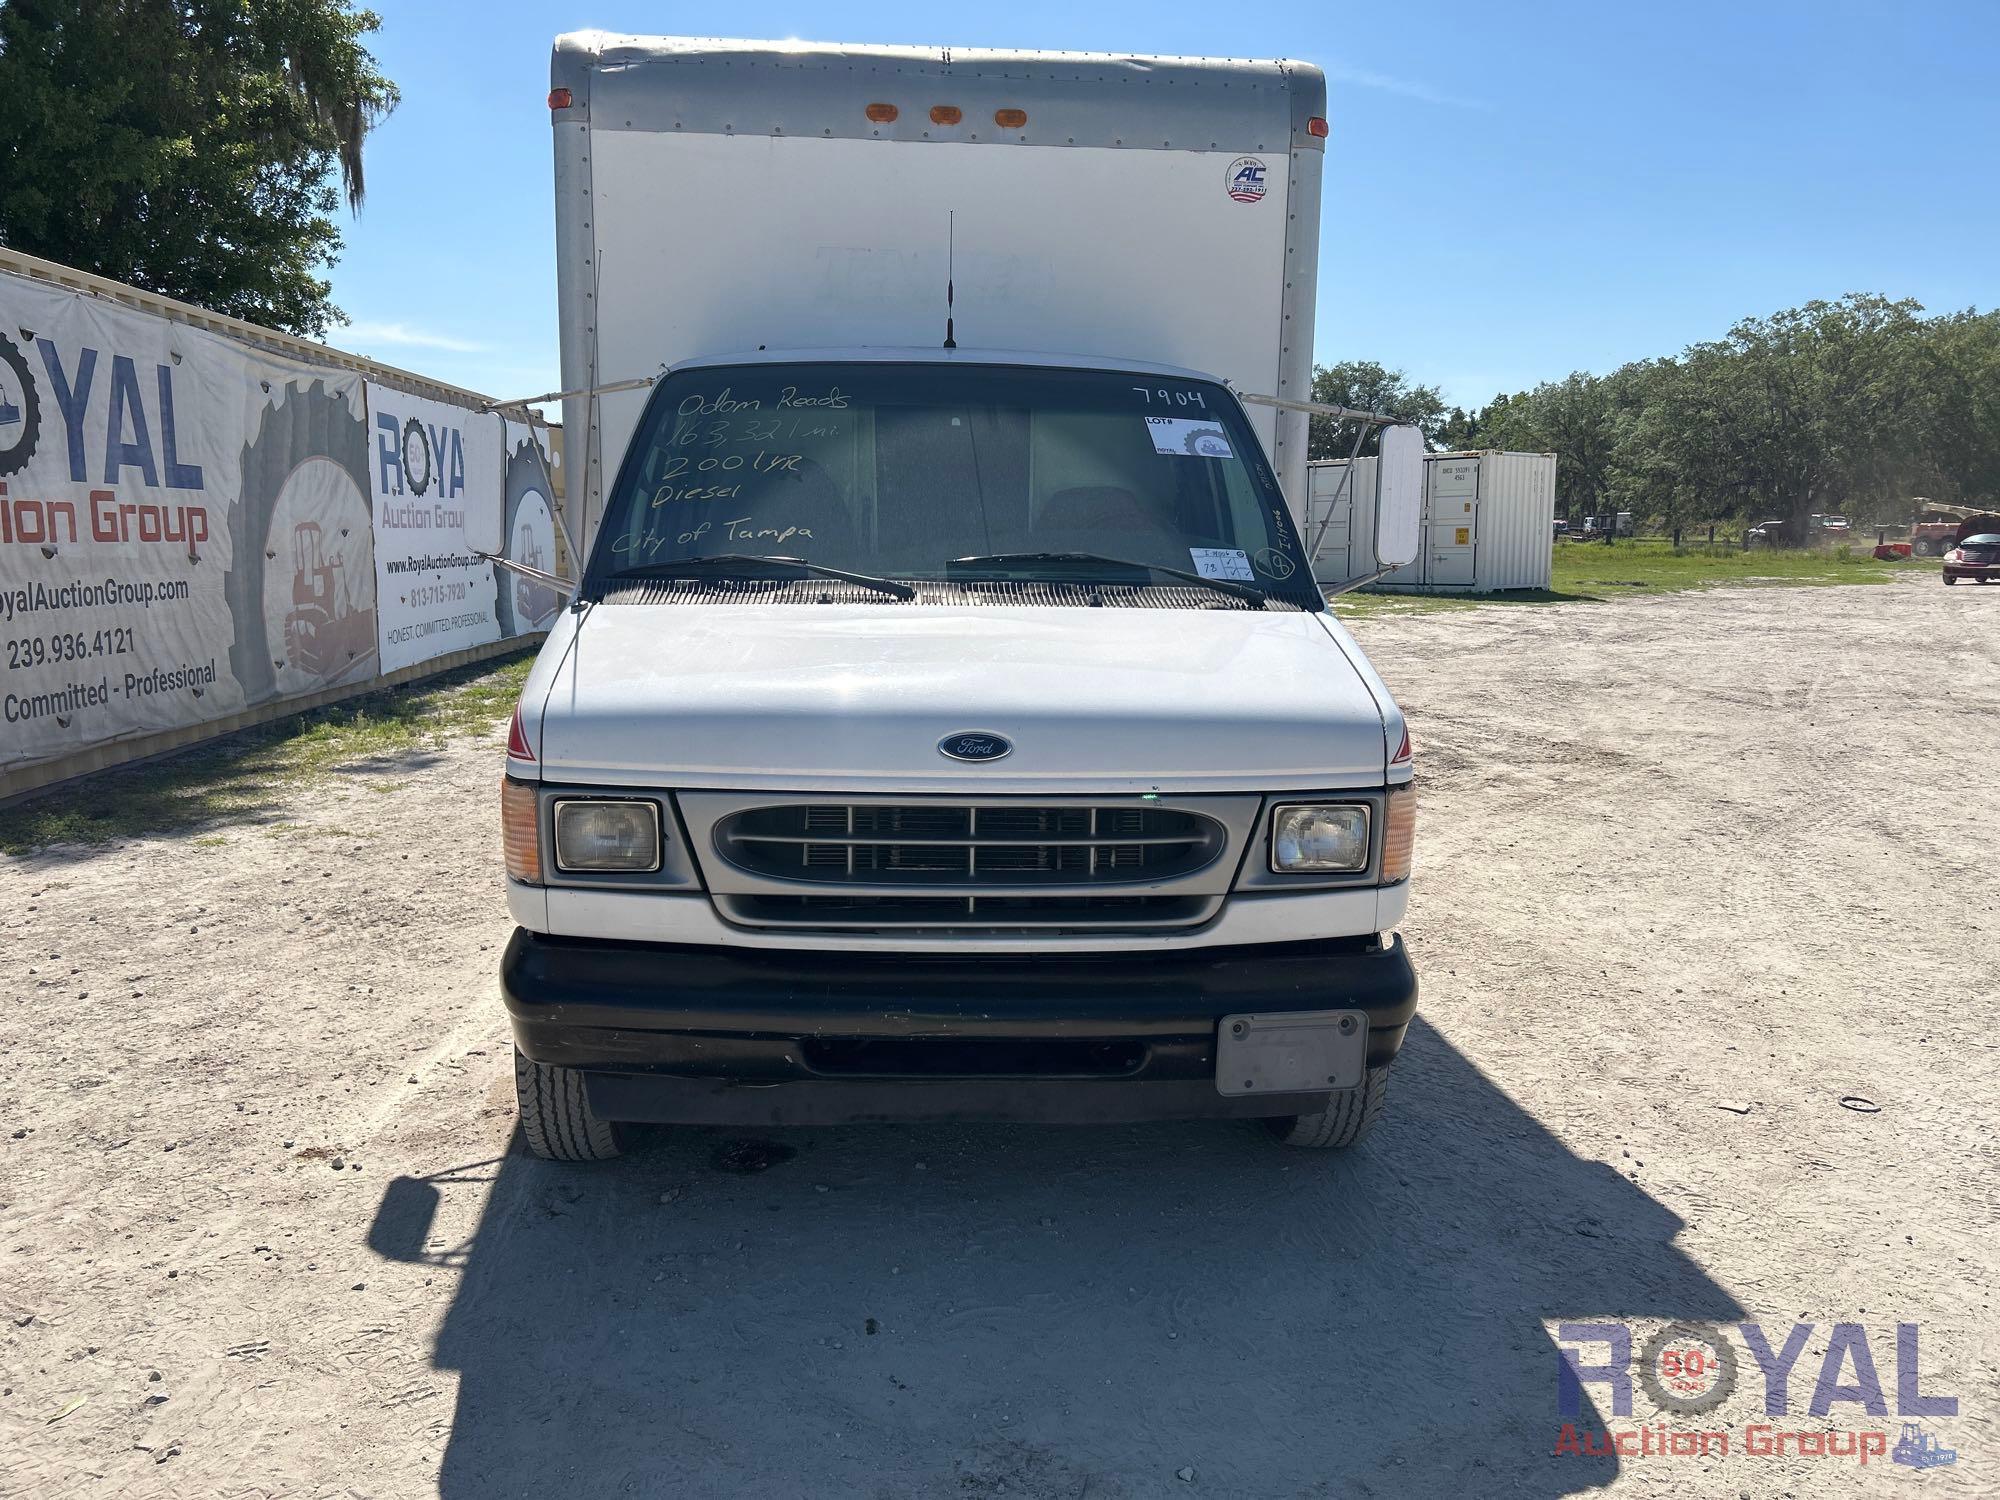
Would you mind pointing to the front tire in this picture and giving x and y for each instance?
(556, 1119)
(1950, 579)
(1348, 1116)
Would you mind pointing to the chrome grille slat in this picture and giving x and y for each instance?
(810, 838)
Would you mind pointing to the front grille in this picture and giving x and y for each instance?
(945, 845)
(961, 913)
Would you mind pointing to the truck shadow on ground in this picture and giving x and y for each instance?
(915, 1310)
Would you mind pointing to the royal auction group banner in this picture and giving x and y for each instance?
(190, 527)
(430, 463)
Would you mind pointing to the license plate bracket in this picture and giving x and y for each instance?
(1294, 1052)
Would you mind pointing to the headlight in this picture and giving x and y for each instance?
(607, 835)
(1320, 840)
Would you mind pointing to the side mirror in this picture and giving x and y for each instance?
(486, 523)
(1399, 497)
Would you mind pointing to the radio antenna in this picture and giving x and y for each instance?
(950, 265)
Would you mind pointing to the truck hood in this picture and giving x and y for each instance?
(857, 697)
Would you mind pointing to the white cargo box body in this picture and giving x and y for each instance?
(715, 197)
(1488, 522)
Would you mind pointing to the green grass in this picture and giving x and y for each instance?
(1590, 572)
(241, 779)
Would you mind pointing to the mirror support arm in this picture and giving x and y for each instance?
(1333, 501)
(1321, 409)
(1366, 421)
(1356, 583)
(531, 421)
(562, 585)
(640, 383)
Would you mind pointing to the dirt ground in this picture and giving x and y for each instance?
(1693, 871)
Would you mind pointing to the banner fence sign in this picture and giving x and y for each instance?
(432, 463)
(190, 527)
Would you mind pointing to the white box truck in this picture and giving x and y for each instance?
(946, 724)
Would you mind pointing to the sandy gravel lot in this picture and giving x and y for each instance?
(1692, 869)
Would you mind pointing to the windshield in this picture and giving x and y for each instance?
(930, 471)
(1981, 542)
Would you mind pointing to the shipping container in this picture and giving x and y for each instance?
(1489, 523)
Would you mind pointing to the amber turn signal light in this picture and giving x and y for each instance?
(1399, 834)
(521, 831)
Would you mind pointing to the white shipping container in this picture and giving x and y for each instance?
(1488, 522)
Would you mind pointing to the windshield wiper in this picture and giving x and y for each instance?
(694, 567)
(1022, 559)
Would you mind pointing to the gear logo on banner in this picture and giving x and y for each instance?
(415, 474)
(20, 409)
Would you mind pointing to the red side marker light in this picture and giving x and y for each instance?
(1403, 752)
(559, 99)
(517, 739)
(1316, 126)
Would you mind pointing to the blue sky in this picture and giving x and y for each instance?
(1513, 191)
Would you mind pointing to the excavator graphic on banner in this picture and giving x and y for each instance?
(325, 635)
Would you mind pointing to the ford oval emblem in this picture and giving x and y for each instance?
(970, 744)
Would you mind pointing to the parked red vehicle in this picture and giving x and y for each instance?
(1975, 551)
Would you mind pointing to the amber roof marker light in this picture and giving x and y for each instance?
(882, 114)
(946, 114)
(1010, 119)
(1317, 126)
(559, 99)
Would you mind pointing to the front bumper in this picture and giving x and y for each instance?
(782, 1037)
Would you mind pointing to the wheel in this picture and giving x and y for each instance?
(556, 1118)
(1348, 1116)
(1950, 579)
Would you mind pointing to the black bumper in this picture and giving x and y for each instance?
(775, 1037)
